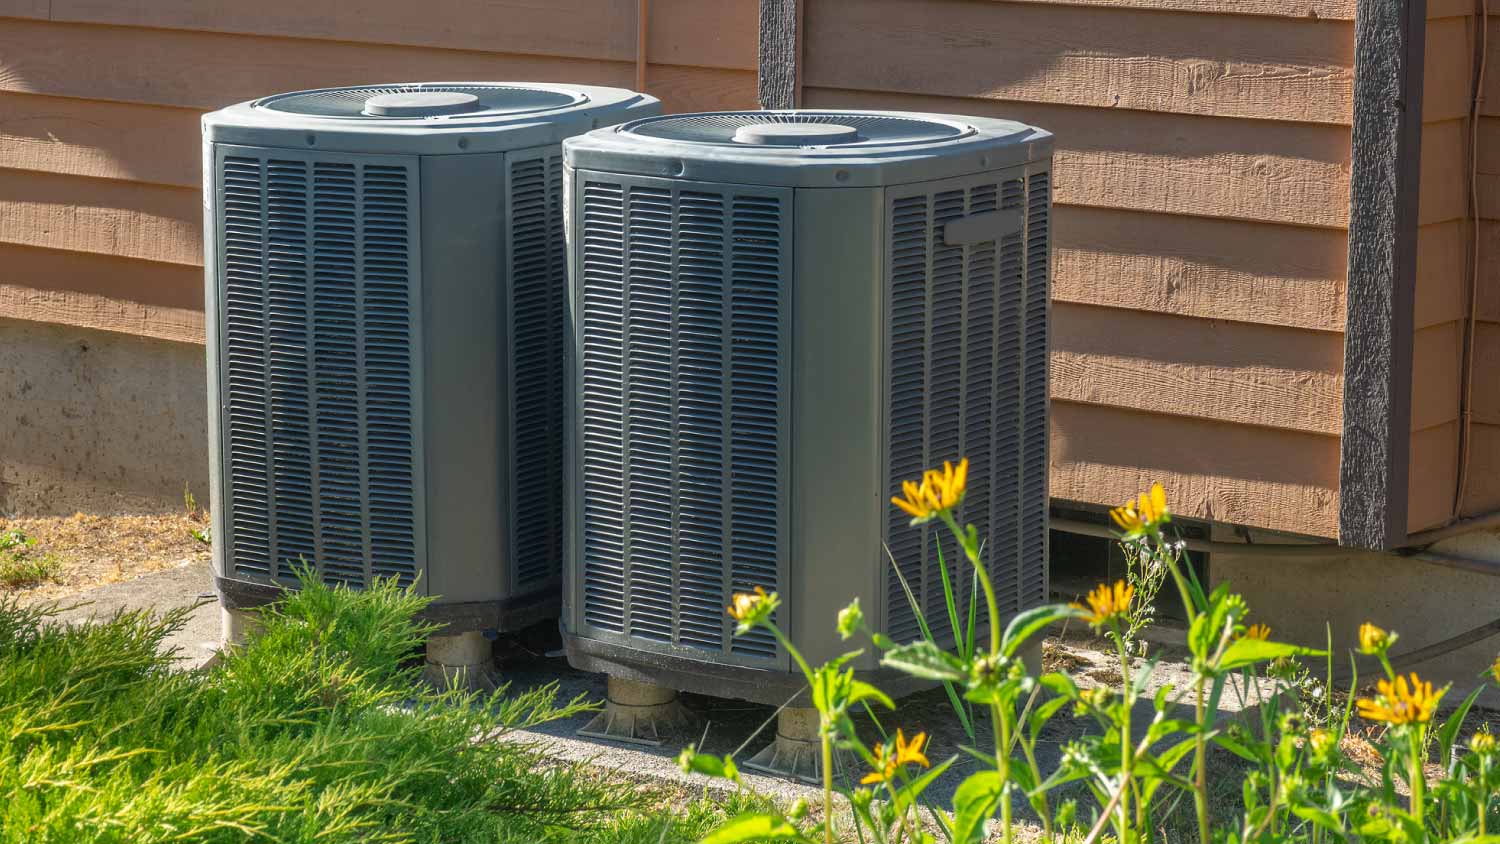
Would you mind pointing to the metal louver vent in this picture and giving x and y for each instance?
(683, 441)
(538, 293)
(316, 302)
(873, 129)
(1034, 487)
(962, 333)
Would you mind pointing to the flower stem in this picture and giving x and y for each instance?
(1200, 754)
(827, 784)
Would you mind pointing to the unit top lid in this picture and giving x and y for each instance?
(426, 117)
(810, 147)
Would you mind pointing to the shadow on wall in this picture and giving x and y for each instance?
(96, 421)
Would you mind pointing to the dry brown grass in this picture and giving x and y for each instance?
(94, 550)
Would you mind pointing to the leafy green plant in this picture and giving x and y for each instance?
(315, 730)
(21, 565)
(1298, 784)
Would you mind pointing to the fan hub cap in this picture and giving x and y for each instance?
(796, 134)
(421, 104)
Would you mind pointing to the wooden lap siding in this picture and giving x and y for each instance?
(1202, 190)
(100, 100)
(1484, 458)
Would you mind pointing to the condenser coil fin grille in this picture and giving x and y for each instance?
(538, 275)
(352, 102)
(683, 311)
(317, 295)
(958, 316)
(873, 129)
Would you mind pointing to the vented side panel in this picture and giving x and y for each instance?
(318, 292)
(962, 330)
(1034, 486)
(538, 291)
(681, 300)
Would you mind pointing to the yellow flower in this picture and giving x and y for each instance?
(1401, 702)
(750, 609)
(1373, 640)
(1148, 511)
(1321, 740)
(1258, 631)
(1483, 743)
(1495, 670)
(939, 491)
(1106, 603)
(888, 760)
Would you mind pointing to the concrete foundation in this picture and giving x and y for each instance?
(640, 713)
(235, 626)
(100, 422)
(466, 660)
(1425, 604)
(796, 752)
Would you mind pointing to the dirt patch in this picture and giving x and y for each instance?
(94, 550)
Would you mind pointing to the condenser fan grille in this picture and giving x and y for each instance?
(352, 102)
(872, 129)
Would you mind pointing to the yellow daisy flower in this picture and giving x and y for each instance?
(889, 759)
(1106, 603)
(1146, 512)
(1401, 702)
(939, 491)
(1258, 631)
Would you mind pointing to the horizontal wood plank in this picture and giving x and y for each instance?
(1442, 273)
(1250, 66)
(1449, 9)
(709, 33)
(1445, 172)
(1487, 293)
(1483, 492)
(701, 89)
(100, 139)
(1217, 269)
(86, 310)
(1486, 407)
(207, 71)
(1311, 9)
(1435, 363)
(1173, 163)
(149, 222)
(1260, 477)
(1489, 141)
(151, 283)
(1434, 476)
(1208, 369)
(33, 9)
(1448, 71)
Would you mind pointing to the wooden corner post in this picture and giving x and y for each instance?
(1384, 181)
(780, 53)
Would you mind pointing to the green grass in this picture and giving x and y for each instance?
(21, 565)
(314, 731)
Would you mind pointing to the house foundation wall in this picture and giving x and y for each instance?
(1424, 603)
(98, 421)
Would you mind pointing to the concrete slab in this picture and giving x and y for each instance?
(183, 585)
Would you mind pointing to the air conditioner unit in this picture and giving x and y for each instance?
(385, 301)
(777, 317)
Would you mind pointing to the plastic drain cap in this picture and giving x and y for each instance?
(421, 104)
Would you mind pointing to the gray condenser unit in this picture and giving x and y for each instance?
(385, 297)
(776, 318)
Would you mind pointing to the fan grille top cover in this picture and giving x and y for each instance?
(809, 147)
(422, 101)
(426, 117)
